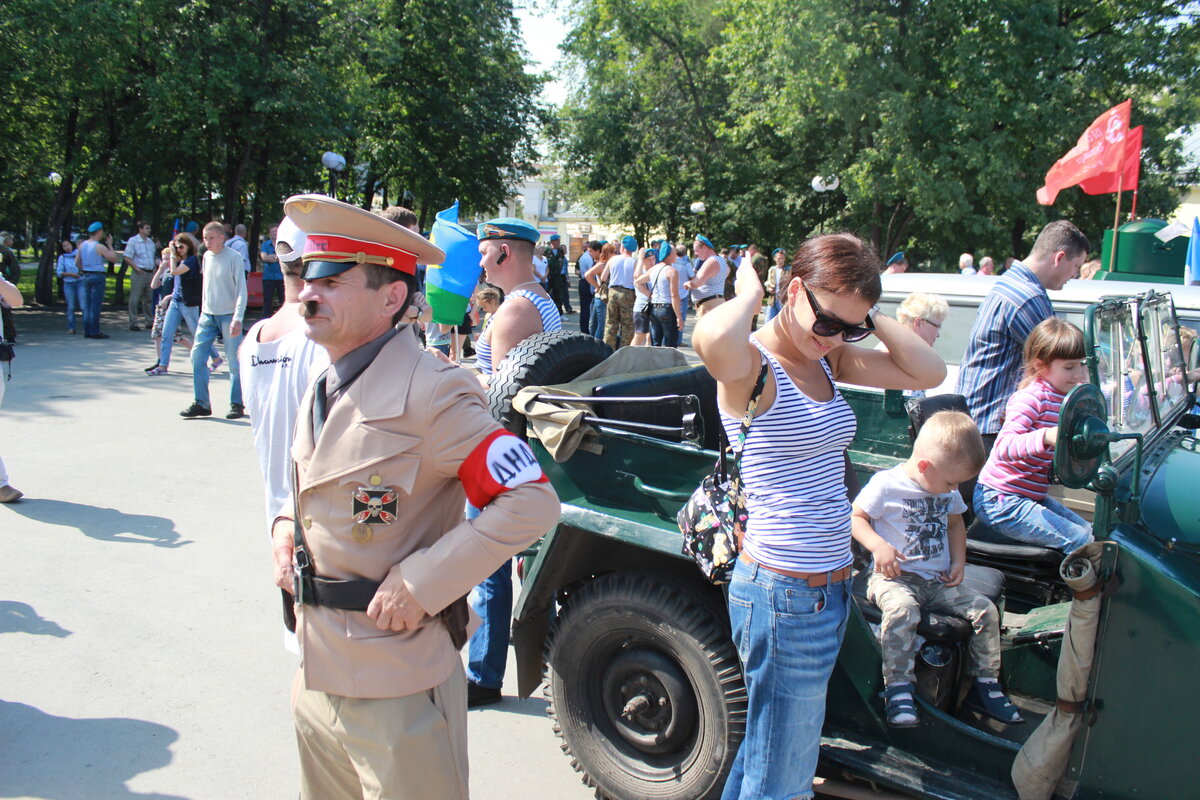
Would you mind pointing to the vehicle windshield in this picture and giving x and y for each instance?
(1131, 376)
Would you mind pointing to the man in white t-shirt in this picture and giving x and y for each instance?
(278, 362)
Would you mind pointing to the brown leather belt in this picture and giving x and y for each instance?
(813, 579)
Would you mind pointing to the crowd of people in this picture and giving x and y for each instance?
(389, 431)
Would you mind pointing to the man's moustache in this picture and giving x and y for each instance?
(308, 309)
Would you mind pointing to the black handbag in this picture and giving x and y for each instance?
(714, 519)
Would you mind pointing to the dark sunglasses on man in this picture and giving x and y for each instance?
(825, 325)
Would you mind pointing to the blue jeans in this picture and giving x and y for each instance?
(93, 297)
(788, 635)
(487, 652)
(597, 318)
(176, 312)
(1047, 523)
(664, 328)
(586, 295)
(202, 345)
(773, 310)
(75, 293)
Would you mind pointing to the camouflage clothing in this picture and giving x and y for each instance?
(902, 599)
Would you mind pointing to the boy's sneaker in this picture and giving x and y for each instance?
(196, 410)
(900, 705)
(986, 697)
(236, 411)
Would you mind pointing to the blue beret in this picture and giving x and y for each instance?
(706, 241)
(664, 250)
(648, 252)
(555, 238)
(95, 226)
(629, 243)
(192, 227)
(776, 250)
(898, 257)
(508, 228)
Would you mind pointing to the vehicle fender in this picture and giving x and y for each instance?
(568, 558)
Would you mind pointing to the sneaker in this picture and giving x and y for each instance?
(900, 706)
(71, 332)
(152, 367)
(100, 336)
(216, 364)
(157, 371)
(135, 327)
(236, 411)
(10, 495)
(196, 410)
(481, 695)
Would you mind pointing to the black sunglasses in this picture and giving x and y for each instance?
(825, 325)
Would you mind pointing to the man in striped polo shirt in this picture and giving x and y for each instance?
(991, 366)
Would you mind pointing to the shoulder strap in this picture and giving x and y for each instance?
(747, 419)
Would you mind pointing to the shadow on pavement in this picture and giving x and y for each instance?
(61, 758)
(529, 707)
(104, 524)
(17, 617)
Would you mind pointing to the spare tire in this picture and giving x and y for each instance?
(544, 358)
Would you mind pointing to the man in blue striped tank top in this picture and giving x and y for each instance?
(506, 255)
(789, 595)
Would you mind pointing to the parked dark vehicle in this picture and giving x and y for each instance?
(633, 647)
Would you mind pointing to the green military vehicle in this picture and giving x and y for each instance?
(633, 647)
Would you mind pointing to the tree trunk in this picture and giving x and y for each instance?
(1018, 237)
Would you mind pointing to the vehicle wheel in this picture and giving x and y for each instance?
(645, 689)
(544, 358)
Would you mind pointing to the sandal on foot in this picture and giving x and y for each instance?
(900, 706)
(986, 697)
(159, 370)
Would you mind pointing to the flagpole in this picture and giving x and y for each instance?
(1112, 258)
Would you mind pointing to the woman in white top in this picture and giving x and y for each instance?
(789, 595)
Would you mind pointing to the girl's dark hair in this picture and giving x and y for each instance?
(188, 242)
(1052, 339)
(839, 263)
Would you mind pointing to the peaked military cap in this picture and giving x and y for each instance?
(340, 236)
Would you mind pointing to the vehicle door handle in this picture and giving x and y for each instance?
(654, 491)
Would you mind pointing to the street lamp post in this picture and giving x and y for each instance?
(821, 185)
(335, 163)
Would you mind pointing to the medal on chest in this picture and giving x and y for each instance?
(374, 505)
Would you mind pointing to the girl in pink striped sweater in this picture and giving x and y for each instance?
(1011, 493)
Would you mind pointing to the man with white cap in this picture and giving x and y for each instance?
(390, 442)
(278, 362)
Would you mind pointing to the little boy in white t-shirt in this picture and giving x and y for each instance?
(910, 518)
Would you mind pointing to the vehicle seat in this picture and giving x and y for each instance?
(1031, 570)
(941, 628)
(693, 380)
(922, 408)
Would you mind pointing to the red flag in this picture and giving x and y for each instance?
(1101, 149)
(1125, 181)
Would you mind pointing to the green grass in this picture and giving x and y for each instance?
(28, 282)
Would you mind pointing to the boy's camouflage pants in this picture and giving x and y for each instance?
(901, 601)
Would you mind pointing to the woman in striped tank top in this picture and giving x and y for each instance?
(789, 595)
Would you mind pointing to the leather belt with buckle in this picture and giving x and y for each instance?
(813, 579)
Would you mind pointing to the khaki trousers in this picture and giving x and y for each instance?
(139, 296)
(395, 748)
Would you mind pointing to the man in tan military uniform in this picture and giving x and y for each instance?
(389, 444)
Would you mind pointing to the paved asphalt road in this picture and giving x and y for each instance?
(140, 637)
